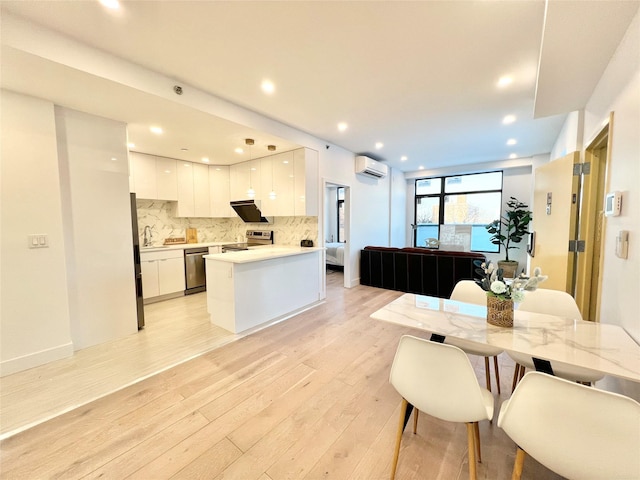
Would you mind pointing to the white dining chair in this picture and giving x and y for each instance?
(470, 292)
(576, 431)
(561, 304)
(438, 379)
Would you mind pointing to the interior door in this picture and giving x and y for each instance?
(591, 225)
(554, 220)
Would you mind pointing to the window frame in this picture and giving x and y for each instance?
(339, 203)
(442, 195)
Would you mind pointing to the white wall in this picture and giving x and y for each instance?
(398, 219)
(94, 172)
(34, 322)
(369, 204)
(570, 138)
(619, 91)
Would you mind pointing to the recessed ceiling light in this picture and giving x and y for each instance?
(205, 159)
(512, 141)
(156, 130)
(509, 119)
(184, 149)
(342, 126)
(403, 158)
(504, 81)
(114, 159)
(268, 86)
(379, 145)
(513, 155)
(131, 145)
(112, 4)
(239, 150)
(285, 161)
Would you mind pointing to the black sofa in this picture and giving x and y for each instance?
(423, 271)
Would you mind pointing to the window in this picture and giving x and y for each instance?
(455, 209)
(341, 214)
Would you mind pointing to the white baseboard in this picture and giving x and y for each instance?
(18, 364)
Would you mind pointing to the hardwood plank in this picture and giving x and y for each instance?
(152, 447)
(306, 398)
(211, 462)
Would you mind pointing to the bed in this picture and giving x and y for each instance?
(335, 254)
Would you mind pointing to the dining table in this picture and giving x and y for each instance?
(594, 345)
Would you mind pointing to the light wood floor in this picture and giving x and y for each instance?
(176, 330)
(306, 398)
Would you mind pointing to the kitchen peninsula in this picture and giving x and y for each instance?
(253, 287)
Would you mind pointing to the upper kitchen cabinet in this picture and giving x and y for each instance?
(286, 184)
(154, 177)
(305, 165)
(193, 190)
(278, 185)
(245, 181)
(166, 178)
(219, 185)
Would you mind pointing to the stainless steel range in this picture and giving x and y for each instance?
(254, 238)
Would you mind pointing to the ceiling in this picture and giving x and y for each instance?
(419, 76)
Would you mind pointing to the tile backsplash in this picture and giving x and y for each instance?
(159, 216)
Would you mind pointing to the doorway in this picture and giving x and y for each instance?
(569, 222)
(592, 224)
(336, 228)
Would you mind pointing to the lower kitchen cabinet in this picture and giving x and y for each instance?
(162, 273)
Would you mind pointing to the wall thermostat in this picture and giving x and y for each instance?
(612, 204)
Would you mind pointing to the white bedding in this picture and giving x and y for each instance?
(335, 253)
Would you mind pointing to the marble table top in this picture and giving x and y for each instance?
(602, 347)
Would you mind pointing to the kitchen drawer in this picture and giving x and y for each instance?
(161, 255)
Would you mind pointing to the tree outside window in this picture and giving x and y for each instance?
(473, 200)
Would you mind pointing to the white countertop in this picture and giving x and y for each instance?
(182, 246)
(266, 252)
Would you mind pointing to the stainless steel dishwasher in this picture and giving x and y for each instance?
(194, 270)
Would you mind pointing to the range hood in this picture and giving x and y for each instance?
(249, 211)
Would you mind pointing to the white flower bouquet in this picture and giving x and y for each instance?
(495, 285)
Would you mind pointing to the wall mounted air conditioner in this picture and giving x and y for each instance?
(368, 166)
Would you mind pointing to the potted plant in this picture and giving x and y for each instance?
(501, 294)
(509, 230)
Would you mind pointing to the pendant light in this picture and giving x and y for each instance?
(251, 193)
(272, 194)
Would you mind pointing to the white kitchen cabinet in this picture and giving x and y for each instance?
(245, 176)
(166, 179)
(186, 199)
(201, 191)
(154, 177)
(219, 188)
(162, 273)
(143, 169)
(277, 176)
(238, 181)
(193, 190)
(306, 182)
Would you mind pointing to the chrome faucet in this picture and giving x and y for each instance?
(146, 236)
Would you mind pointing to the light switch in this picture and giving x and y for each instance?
(622, 244)
(38, 240)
